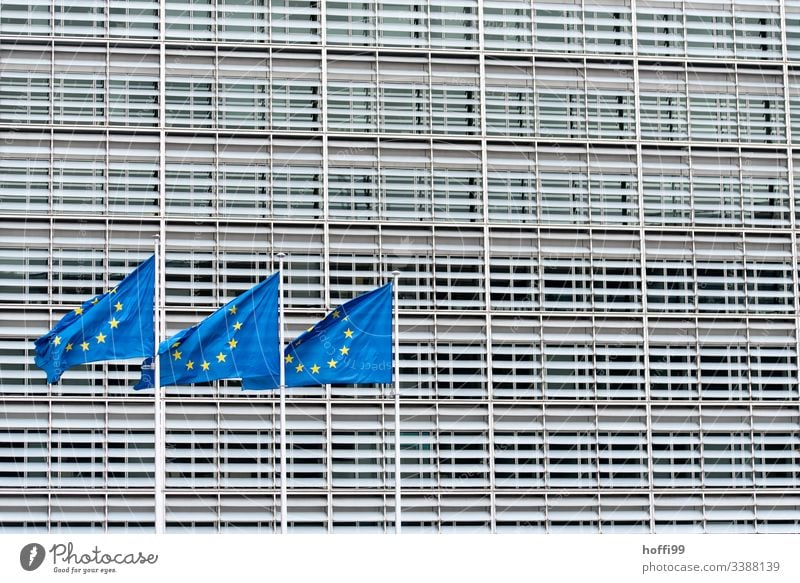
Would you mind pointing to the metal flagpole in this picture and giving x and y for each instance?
(397, 470)
(159, 432)
(284, 528)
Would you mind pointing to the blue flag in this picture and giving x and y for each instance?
(111, 326)
(239, 339)
(351, 345)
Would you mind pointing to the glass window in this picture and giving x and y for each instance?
(133, 18)
(350, 23)
(509, 98)
(507, 25)
(242, 92)
(662, 97)
(455, 97)
(608, 28)
(296, 92)
(28, 18)
(660, 27)
(560, 100)
(404, 97)
(512, 186)
(352, 95)
(242, 20)
(454, 24)
(558, 26)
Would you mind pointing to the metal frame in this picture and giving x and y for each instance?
(481, 228)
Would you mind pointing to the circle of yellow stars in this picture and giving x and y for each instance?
(100, 337)
(221, 357)
(315, 368)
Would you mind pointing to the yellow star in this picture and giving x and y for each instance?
(113, 290)
(309, 329)
(232, 343)
(114, 322)
(95, 300)
(344, 350)
(314, 369)
(69, 347)
(190, 365)
(118, 305)
(336, 313)
(101, 338)
(237, 326)
(79, 310)
(220, 357)
(57, 340)
(85, 345)
(346, 319)
(205, 365)
(331, 363)
(289, 359)
(299, 367)
(232, 310)
(177, 354)
(176, 344)
(348, 333)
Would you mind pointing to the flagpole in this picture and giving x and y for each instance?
(396, 364)
(159, 433)
(284, 523)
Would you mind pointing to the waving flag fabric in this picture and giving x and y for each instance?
(351, 345)
(239, 339)
(112, 326)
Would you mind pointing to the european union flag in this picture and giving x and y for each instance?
(239, 339)
(351, 345)
(111, 326)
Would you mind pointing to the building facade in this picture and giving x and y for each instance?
(592, 204)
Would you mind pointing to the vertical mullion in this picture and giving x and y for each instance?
(430, 106)
(384, 466)
(106, 465)
(531, 7)
(592, 316)
(326, 274)
(270, 203)
(52, 117)
(702, 488)
(162, 165)
(106, 274)
(51, 228)
(752, 446)
(215, 124)
(107, 88)
(106, 179)
(747, 322)
(438, 493)
(326, 271)
(378, 184)
(329, 457)
(643, 268)
(791, 188)
(733, 70)
(218, 461)
(693, 232)
(582, 32)
(50, 485)
(486, 269)
(597, 474)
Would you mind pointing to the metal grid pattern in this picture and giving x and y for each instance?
(591, 203)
